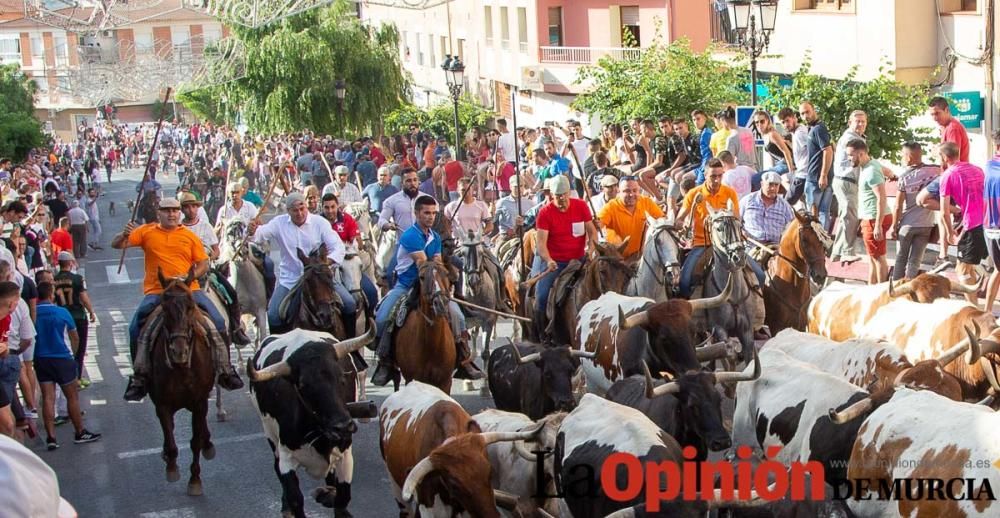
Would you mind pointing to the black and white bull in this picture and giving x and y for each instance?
(533, 380)
(301, 384)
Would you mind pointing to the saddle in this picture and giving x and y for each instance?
(212, 283)
(563, 287)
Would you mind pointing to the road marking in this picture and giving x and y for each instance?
(224, 440)
(117, 278)
(183, 512)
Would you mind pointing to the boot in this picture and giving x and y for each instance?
(136, 389)
(465, 368)
(228, 378)
(386, 370)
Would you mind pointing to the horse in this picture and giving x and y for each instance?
(425, 344)
(351, 270)
(515, 271)
(182, 374)
(246, 275)
(317, 295)
(361, 213)
(659, 268)
(385, 251)
(480, 283)
(800, 258)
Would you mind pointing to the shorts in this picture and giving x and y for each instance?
(28, 354)
(992, 238)
(61, 371)
(875, 249)
(660, 168)
(10, 370)
(972, 246)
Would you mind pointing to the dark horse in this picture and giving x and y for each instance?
(425, 344)
(801, 257)
(182, 375)
(316, 296)
(148, 204)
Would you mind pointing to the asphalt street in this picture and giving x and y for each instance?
(123, 475)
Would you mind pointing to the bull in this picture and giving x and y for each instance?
(301, 385)
(435, 454)
(840, 311)
(533, 380)
(625, 331)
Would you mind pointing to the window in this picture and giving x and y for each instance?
(211, 33)
(430, 51)
(37, 51)
(443, 48)
(832, 5)
(488, 25)
(180, 37)
(10, 49)
(630, 26)
(62, 51)
(522, 29)
(420, 52)
(504, 29)
(970, 5)
(404, 43)
(460, 49)
(555, 27)
(42, 83)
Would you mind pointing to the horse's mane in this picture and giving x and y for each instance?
(439, 268)
(177, 305)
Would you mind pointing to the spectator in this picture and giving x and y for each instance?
(71, 294)
(78, 229)
(817, 186)
(61, 238)
(739, 177)
(911, 223)
(872, 211)
(962, 185)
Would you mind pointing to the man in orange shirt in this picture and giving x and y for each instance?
(625, 216)
(173, 249)
(61, 238)
(713, 193)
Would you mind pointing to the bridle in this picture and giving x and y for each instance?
(732, 246)
(661, 274)
(306, 307)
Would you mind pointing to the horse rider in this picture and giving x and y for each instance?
(564, 227)
(397, 212)
(378, 192)
(507, 211)
(191, 208)
(765, 215)
(301, 230)
(239, 207)
(625, 216)
(172, 249)
(711, 193)
(347, 229)
(416, 245)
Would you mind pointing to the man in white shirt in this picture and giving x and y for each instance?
(739, 177)
(94, 213)
(800, 153)
(506, 142)
(347, 193)
(609, 191)
(237, 206)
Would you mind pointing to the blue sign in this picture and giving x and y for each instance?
(744, 118)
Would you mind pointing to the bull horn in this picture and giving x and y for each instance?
(415, 476)
(638, 319)
(904, 289)
(955, 352)
(735, 377)
(270, 372)
(987, 401)
(965, 288)
(524, 435)
(523, 452)
(852, 412)
(526, 359)
(628, 512)
(941, 267)
(350, 345)
(505, 500)
(543, 513)
(990, 375)
(583, 354)
(716, 301)
(712, 352)
(671, 387)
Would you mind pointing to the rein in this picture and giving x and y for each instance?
(660, 279)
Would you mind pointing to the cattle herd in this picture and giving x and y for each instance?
(884, 403)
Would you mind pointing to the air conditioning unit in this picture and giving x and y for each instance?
(531, 78)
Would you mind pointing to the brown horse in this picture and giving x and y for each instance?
(182, 375)
(517, 272)
(316, 309)
(425, 345)
(604, 271)
(801, 257)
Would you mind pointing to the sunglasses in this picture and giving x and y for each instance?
(629, 178)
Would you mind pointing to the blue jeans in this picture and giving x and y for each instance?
(821, 198)
(10, 373)
(149, 303)
(368, 288)
(389, 301)
(545, 283)
(273, 319)
(389, 275)
(269, 277)
(348, 308)
(757, 270)
(687, 269)
(781, 168)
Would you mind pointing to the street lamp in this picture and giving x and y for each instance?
(454, 74)
(745, 16)
(340, 90)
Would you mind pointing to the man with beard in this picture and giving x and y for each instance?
(397, 213)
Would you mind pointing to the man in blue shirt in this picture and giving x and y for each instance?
(418, 244)
(817, 190)
(379, 191)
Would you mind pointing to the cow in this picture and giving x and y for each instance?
(688, 408)
(533, 380)
(925, 331)
(435, 454)
(301, 383)
(841, 310)
(876, 365)
(922, 435)
(625, 331)
(514, 465)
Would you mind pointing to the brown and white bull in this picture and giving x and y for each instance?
(435, 454)
(625, 331)
(926, 331)
(841, 310)
(951, 447)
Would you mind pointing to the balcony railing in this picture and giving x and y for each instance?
(721, 30)
(585, 55)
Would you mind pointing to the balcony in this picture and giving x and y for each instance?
(721, 30)
(585, 55)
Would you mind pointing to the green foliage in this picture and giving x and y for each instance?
(665, 79)
(889, 104)
(440, 118)
(20, 131)
(292, 67)
(166, 110)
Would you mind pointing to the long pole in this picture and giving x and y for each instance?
(586, 189)
(145, 175)
(459, 149)
(517, 192)
(753, 62)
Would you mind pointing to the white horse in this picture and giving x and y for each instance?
(659, 266)
(386, 248)
(245, 275)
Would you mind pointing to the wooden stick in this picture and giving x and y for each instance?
(488, 310)
(534, 280)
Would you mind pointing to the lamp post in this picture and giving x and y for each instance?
(454, 74)
(340, 90)
(745, 16)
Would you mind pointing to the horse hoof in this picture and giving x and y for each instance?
(222, 417)
(470, 385)
(194, 489)
(484, 391)
(365, 420)
(173, 475)
(209, 453)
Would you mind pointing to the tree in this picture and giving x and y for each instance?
(889, 104)
(440, 118)
(20, 131)
(664, 79)
(292, 67)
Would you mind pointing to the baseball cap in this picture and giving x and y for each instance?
(170, 203)
(770, 177)
(609, 181)
(558, 185)
(189, 197)
(64, 256)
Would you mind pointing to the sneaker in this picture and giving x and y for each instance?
(84, 383)
(51, 444)
(31, 414)
(85, 436)
(61, 420)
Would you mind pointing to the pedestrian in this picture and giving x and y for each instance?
(739, 177)
(845, 189)
(10, 363)
(951, 129)
(54, 363)
(991, 225)
(817, 187)
(61, 238)
(94, 218)
(962, 185)
(912, 224)
(872, 210)
(78, 229)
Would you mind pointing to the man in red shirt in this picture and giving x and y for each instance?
(564, 227)
(453, 172)
(347, 228)
(951, 129)
(61, 239)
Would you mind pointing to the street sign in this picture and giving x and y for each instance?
(744, 118)
(967, 107)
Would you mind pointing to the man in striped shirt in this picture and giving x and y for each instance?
(765, 216)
